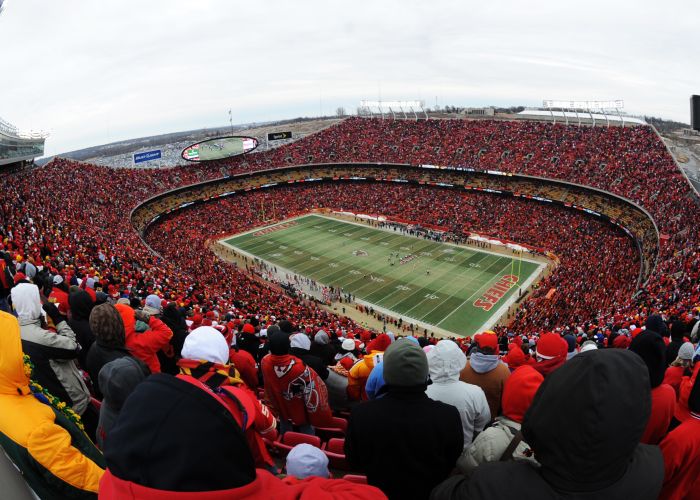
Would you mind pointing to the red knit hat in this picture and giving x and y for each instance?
(551, 346)
(248, 328)
(519, 391)
(487, 340)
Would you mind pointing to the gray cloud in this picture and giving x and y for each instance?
(93, 72)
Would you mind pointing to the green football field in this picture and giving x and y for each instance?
(454, 288)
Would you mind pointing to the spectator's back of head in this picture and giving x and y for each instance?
(305, 460)
(405, 365)
(651, 348)
(107, 325)
(587, 418)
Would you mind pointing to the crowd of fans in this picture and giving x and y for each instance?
(193, 377)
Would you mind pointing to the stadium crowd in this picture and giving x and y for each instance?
(197, 381)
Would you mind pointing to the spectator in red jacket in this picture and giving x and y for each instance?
(144, 345)
(681, 450)
(652, 349)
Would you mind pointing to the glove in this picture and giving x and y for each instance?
(142, 316)
(53, 313)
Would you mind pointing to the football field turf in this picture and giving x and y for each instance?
(457, 289)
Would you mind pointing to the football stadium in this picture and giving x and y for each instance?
(492, 295)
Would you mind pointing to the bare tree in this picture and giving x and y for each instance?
(340, 111)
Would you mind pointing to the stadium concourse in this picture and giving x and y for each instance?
(198, 380)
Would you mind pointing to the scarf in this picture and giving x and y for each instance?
(212, 374)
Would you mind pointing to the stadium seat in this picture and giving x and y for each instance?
(294, 438)
(355, 478)
(335, 430)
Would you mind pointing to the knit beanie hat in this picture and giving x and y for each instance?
(686, 351)
(652, 349)
(301, 341)
(348, 345)
(321, 337)
(206, 343)
(405, 365)
(107, 325)
(551, 345)
(487, 342)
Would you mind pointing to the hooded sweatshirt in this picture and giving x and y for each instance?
(53, 354)
(81, 306)
(56, 458)
(446, 361)
(584, 426)
(489, 373)
(358, 374)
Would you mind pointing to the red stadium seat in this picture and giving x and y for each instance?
(337, 429)
(294, 438)
(336, 445)
(355, 478)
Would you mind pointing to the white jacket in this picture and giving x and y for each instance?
(490, 445)
(446, 360)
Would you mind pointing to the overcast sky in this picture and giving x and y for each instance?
(92, 72)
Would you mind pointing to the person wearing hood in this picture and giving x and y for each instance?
(56, 458)
(446, 360)
(52, 353)
(323, 348)
(145, 345)
(300, 346)
(375, 382)
(492, 443)
(358, 374)
(584, 426)
(551, 353)
(678, 332)
(249, 342)
(486, 370)
(655, 323)
(681, 449)
(405, 442)
(177, 438)
(79, 320)
(650, 347)
(243, 361)
(173, 318)
(293, 389)
(60, 294)
(118, 379)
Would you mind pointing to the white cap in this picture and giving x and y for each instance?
(207, 344)
(348, 345)
(305, 460)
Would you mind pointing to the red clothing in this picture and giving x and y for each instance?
(673, 377)
(61, 299)
(681, 450)
(258, 420)
(265, 486)
(663, 403)
(245, 364)
(295, 391)
(145, 345)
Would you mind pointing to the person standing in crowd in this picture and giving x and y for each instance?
(446, 360)
(117, 379)
(584, 427)
(53, 354)
(551, 352)
(79, 320)
(651, 348)
(358, 374)
(144, 345)
(395, 439)
(492, 444)
(295, 391)
(681, 451)
(486, 370)
(680, 367)
(56, 458)
(324, 348)
(300, 346)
